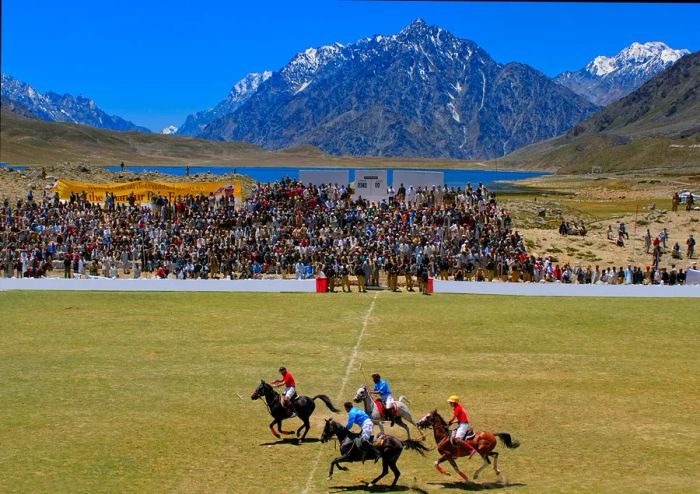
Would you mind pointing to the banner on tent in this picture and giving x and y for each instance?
(144, 190)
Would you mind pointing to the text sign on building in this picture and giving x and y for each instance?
(371, 185)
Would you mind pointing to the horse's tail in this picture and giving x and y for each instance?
(414, 445)
(507, 440)
(403, 399)
(328, 402)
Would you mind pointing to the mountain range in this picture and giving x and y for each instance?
(54, 107)
(607, 79)
(421, 92)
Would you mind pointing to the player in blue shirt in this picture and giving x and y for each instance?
(381, 388)
(359, 417)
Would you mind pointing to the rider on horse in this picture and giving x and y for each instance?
(291, 392)
(381, 388)
(358, 416)
(460, 416)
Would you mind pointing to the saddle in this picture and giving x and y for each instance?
(377, 440)
(387, 413)
(290, 410)
(469, 435)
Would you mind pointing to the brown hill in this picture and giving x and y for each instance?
(656, 126)
(25, 141)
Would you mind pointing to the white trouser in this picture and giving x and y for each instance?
(367, 426)
(462, 430)
(389, 401)
(290, 392)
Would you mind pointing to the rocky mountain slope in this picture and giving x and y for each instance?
(421, 92)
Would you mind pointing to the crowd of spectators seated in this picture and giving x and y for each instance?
(283, 229)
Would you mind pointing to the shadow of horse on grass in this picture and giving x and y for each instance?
(473, 486)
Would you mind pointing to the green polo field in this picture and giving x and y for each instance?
(124, 392)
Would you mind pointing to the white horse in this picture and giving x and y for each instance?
(372, 410)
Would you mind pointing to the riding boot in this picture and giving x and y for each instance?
(369, 448)
(470, 448)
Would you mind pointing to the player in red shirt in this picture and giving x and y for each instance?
(287, 380)
(460, 416)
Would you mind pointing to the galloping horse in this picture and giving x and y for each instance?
(483, 442)
(303, 405)
(390, 448)
(373, 411)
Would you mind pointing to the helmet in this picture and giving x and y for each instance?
(282, 369)
(453, 399)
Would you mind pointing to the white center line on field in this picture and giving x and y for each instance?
(348, 370)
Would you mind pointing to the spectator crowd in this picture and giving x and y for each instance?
(288, 229)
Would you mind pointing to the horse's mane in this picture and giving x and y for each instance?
(350, 434)
(442, 420)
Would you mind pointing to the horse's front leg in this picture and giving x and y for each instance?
(272, 428)
(440, 460)
(336, 463)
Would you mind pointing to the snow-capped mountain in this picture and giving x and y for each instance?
(170, 129)
(239, 94)
(61, 108)
(421, 92)
(607, 79)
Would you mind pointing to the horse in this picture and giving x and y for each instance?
(372, 410)
(304, 406)
(483, 442)
(390, 448)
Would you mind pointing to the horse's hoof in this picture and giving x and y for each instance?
(370, 484)
(330, 478)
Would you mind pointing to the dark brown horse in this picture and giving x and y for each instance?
(483, 442)
(304, 406)
(389, 447)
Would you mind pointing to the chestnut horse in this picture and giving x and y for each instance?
(483, 442)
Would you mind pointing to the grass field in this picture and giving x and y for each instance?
(127, 392)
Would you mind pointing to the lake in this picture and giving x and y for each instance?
(453, 178)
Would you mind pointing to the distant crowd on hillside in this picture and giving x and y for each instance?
(287, 229)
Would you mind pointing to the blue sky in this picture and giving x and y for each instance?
(154, 62)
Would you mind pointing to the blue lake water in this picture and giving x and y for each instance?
(453, 178)
(16, 168)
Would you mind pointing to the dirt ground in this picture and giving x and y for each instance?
(641, 201)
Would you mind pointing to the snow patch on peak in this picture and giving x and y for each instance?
(170, 129)
(634, 56)
(248, 85)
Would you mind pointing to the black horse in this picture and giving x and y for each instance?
(390, 448)
(304, 406)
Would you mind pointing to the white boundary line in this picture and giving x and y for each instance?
(346, 378)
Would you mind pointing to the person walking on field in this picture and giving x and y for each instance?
(291, 391)
(460, 416)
